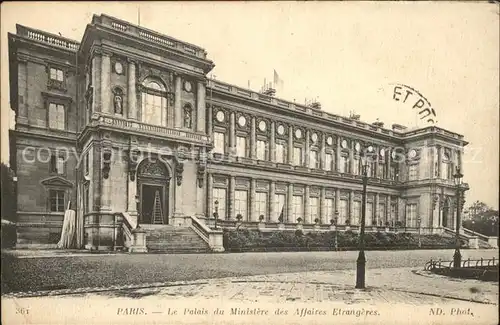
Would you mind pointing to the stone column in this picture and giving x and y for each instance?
(132, 192)
(351, 159)
(322, 156)
(253, 140)
(232, 183)
(308, 145)
(375, 208)
(375, 172)
(290, 144)
(289, 203)
(210, 198)
(210, 120)
(351, 207)
(307, 210)
(440, 157)
(322, 204)
(337, 200)
(272, 213)
(337, 154)
(272, 142)
(131, 93)
(253, 214)
(200, 102)
(105, 83)
(177, 103)
(232, 135)
(387, 208)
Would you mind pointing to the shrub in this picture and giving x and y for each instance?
(280, 218)
(299, 219)
(316, 220)
(299, 233)
(239, 217)
(347, 222)
(333, 221)
(261, 217)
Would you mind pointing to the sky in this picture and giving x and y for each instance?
(346, 55)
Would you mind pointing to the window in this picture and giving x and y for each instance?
(56, 74)
(369, 214)
(381, 214)
(329, 212)
(314, 208)
(298, 208)
(394, 173)
(356, 212)
(261, 204)
(56, 116)
(279, 206)
(56, 198)
(381, 171)
(219, 143)
(57, 164)
(328, 161)
(342, 212)
(355, 166)
(413, 172)
(344, 164)
(280, 153)
(393, 213)
(297, 156)
(219, 194)
(241, 146)
(261, 150)
(241, 204)
(154, 103)
(313, 159)
(411, 215)
(86, 198)
(370, 169)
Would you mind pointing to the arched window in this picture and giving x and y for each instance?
(188, 116)
(154, 102)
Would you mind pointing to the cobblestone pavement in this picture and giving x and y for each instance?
(390, 285)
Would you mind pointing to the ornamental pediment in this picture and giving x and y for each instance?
(56, 181)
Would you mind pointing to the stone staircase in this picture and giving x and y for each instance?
(170, 239)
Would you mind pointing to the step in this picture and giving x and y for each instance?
(171, 239)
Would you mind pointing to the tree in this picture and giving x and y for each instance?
(8, 193)
(482, 219)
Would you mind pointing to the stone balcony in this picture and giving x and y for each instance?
(124, 125)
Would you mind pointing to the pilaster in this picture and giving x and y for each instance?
(177, 102)
(232, 130)
(253, 214)
(232, 186)
(253, 142)
(131, 93)
(105, 83)
(272, 213)
(307, 210)
(200, 116)
(210, 199)
(272, 142)
(308, 144)
(290, 203)
(290, 145)
(322, 203)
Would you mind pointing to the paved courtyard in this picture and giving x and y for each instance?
(24, 271)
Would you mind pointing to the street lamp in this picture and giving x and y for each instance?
(458, 182)
(216, 213)
(336, 231)
(361, 261)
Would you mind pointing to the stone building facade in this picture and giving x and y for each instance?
(126, 123)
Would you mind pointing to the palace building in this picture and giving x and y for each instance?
(126, 129)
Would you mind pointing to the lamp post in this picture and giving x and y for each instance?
(216, 213)
(458, 182)
(137, 209)
(361, 261)
(336, 231)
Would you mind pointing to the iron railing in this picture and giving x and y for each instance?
(468, 263)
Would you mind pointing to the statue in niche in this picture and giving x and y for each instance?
(187, 116)
(118, 102)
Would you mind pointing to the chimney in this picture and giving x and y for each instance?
(398, 127)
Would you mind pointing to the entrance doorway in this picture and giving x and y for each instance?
(153, 189)
(153, 205)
